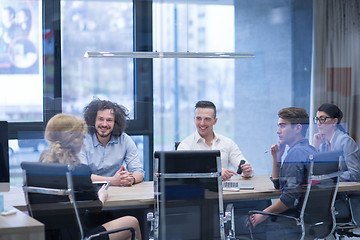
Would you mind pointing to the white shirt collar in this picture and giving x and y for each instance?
(199, 138)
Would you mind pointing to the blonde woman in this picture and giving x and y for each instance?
(66, 134)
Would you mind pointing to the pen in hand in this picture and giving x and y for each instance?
(279, 146)
(267, 151)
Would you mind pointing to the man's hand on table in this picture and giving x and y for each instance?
(247, 170)
(227, 173)
(122, 178)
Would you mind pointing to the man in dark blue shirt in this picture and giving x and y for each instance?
(289, 171)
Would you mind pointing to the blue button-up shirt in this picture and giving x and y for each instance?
(351, 165)
(294, 172)
(106, 161)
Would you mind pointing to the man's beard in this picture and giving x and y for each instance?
(101, 134)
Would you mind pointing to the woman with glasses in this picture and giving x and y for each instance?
(333, 137)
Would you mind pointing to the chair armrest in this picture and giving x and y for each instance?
(49, 191)
(297, 220)
(132, 230)
(273, 214)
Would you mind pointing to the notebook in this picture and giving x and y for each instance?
(99, 184)
(237, 185)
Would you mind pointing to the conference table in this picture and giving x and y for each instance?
(139, 196)
(142, 194)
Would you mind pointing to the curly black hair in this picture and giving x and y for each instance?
(121, 115)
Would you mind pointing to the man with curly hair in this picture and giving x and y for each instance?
(107, 147)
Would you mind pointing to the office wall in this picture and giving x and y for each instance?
(278, 76)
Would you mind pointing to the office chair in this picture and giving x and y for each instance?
(317, 216)
(345, 220)
(188, 197)
(61, 197)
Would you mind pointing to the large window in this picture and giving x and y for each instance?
(96, 26)
(248, 93)
(68, 81)
(160, 94)
(180, 83)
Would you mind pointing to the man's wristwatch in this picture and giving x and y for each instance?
(134, 180)
(276, 182)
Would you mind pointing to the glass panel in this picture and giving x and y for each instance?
(21, 61)
(99, 26)
(248, 93)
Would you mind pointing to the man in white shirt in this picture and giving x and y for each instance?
(206, 139)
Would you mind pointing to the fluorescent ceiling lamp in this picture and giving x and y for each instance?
(167, 55)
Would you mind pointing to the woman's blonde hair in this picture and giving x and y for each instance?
(65, 134)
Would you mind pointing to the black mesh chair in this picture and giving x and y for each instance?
(60, 197)
(345, 217)
(317, 216)
(188, 196)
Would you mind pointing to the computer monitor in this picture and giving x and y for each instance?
(4, 158)
(198, 161)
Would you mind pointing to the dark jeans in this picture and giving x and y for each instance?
(277, 228)
(241, 210)
(274, 228)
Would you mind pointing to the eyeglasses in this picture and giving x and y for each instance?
(320, 119)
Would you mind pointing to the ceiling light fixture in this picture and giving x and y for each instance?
(229, 55)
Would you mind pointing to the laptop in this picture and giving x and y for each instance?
(237, 185)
